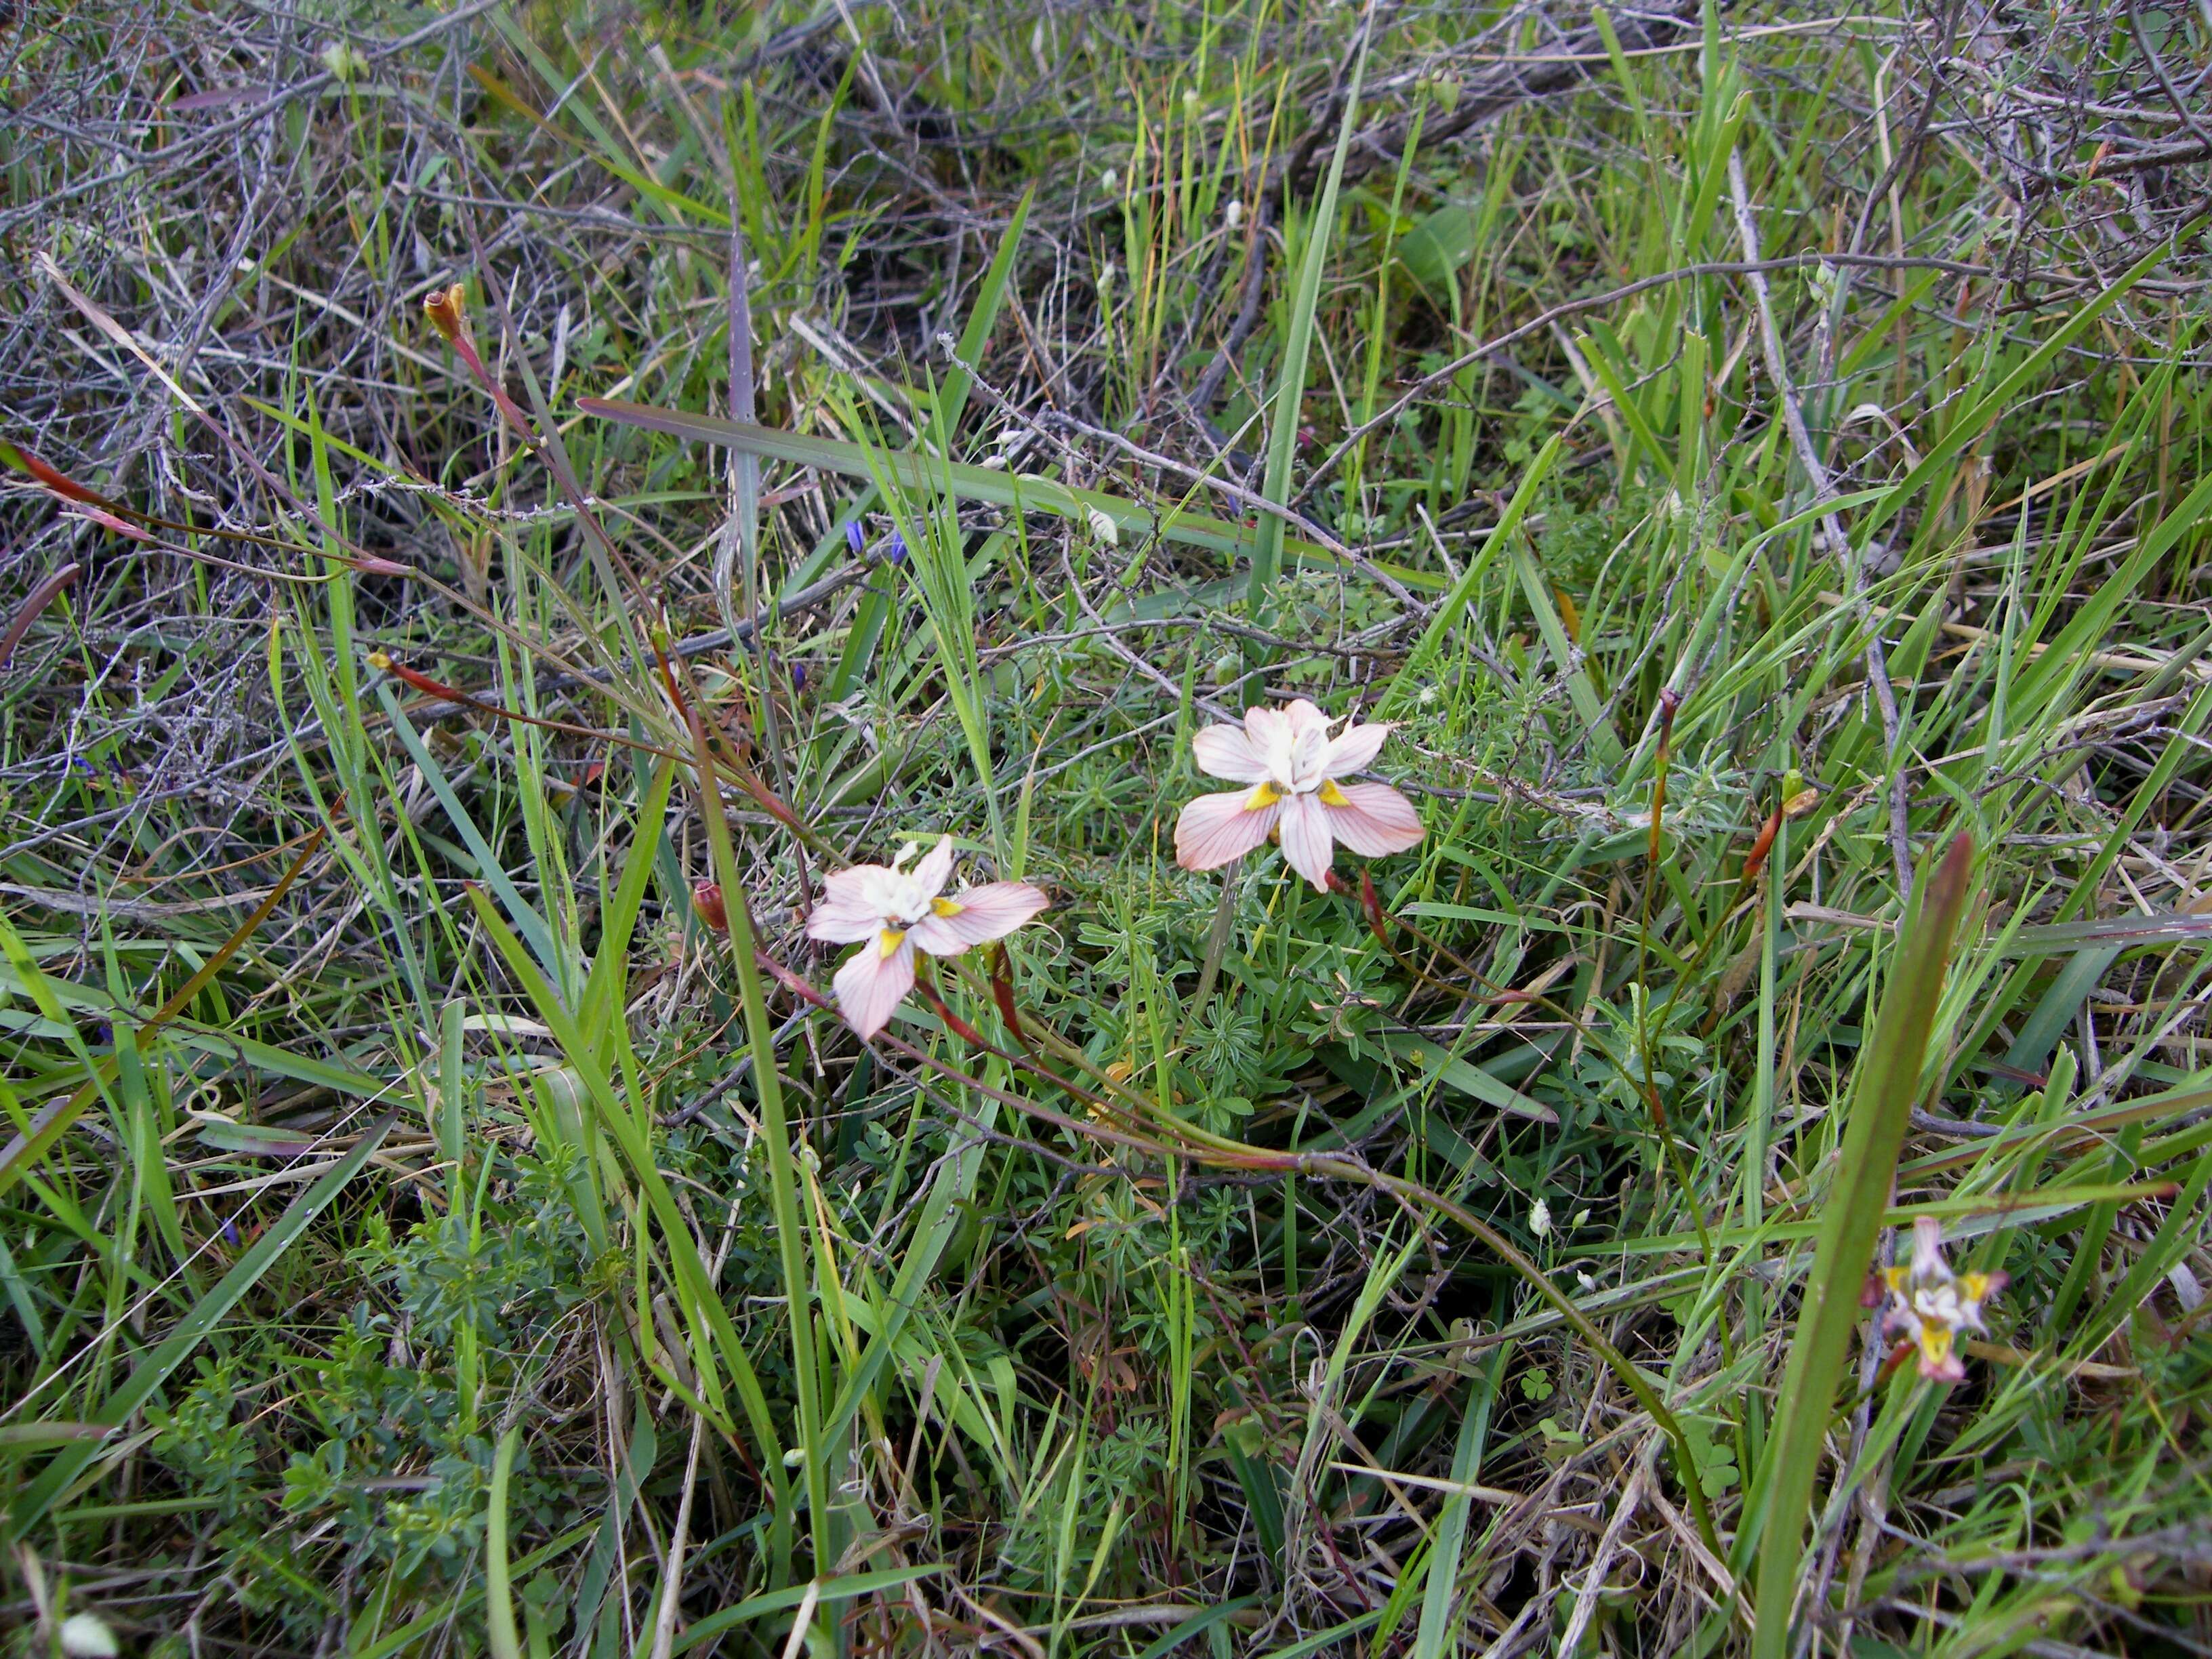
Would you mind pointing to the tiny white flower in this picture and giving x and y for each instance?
(1581, 1216)
(1429, 694)
(1233, 214)
(1539, 1219)
(1103, 527)
(1107, 275)
(1584, 1281)
(1110, 180)
(86, 1636)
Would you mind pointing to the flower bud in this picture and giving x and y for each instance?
(443, 308)
(86, 1636)
(344, 64)
(707, 904)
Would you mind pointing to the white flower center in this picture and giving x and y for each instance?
(896, 896)
(1937, 1304)
(1294, 757)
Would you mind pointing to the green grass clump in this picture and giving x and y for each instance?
(1757, 463)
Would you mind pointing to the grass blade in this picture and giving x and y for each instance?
(500, 1634)
(925, 475)
(1888, 1081)
(1298, 341)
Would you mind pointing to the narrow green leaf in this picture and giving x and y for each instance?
(846, 1588)
(925, 475)
(1884, 1087)
(500, 1633)
(1298, 341)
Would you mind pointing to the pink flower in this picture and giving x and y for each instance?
(1294, 768)
(1931, 1304)
(890, 912)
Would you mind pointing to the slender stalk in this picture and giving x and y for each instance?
(783, 1192)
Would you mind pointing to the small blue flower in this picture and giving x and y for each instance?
(799, 676)
(894, 549)
(854, 539)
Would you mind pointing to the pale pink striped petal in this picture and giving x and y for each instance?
(1306, 839)
(842, 917)
(1928, 1260)
(840, 885)
(985, 914)
(1215, 829)
(1354, 748)
(1375, 819)
(936, 867)
(1223, 751)
(1266, 727)
(871, 986)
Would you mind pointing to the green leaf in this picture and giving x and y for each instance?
(1439, 245)
(1884, 1087)
(926, 475)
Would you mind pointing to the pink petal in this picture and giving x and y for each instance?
(870, 985)
(842, 917)
(985, 914)
(1223, 751)
(1928, 1260)
(1375, 819)
(1949, 1369)
(1307, 840)
(1264, 725)
(936, 867)
(1215, 829)
(840, 885)
(1356, 747)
